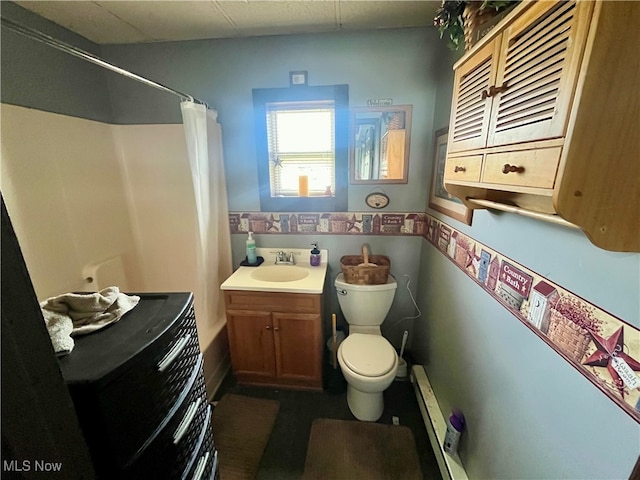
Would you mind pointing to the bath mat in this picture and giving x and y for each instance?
(241, 429)
(340, 449)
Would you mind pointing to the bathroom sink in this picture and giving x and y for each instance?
(280, 273)
(300, 277)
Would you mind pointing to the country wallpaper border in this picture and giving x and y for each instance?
(602, 347)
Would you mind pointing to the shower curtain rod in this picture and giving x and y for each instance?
(65, 47)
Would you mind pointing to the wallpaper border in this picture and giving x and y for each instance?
(602, 347)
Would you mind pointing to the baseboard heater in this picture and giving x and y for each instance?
(450, 466)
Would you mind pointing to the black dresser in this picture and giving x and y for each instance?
(138, 389)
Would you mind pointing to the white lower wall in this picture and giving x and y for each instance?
(79, 192)
(62, 184)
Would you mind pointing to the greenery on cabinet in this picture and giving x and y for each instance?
(456, 19)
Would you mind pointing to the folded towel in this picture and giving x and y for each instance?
(73, 314)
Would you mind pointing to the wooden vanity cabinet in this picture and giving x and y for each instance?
(543, 119)
(275, 338)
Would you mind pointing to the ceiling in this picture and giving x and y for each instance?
(143, 21)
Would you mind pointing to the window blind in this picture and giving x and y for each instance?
(301, 141)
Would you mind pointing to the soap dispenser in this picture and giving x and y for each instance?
(315, 255)
(252, 259)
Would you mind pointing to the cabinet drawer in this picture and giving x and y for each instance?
(527, 168)
(463, 168)
(272, 301)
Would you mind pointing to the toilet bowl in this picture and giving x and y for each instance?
(369, 364)
(368, 361)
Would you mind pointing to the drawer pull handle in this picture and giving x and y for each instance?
(459, 169)
(186, 421)
(202, 464)
(197, 474)
(173, 353)
(512, 169)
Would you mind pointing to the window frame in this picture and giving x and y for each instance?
(339, 94)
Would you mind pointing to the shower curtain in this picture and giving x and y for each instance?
(204, 145)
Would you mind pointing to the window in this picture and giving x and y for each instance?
(301, 144)
(302, 148)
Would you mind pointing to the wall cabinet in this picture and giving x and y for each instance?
(544, 118)
(275, 338)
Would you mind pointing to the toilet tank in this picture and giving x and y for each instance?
(365, 305)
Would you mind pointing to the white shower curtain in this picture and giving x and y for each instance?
(204, 144)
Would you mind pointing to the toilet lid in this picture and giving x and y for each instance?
(368, 355)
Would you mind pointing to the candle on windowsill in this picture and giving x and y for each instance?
(303, 186)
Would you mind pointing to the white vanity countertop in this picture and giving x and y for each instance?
(242, 278)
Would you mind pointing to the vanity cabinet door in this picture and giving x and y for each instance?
(252, 345)
(298, 347)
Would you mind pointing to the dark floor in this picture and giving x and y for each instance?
(286, 451)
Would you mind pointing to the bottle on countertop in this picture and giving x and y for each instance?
(455, 426)
(251, 250)
(315, 255)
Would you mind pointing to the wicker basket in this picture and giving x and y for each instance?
(359, 274)
(571, 338)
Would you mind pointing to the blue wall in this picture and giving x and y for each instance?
(530, 414)
(38, 76)
(401, 64)
(397, 64)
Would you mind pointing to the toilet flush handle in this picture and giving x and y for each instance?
(341, 291)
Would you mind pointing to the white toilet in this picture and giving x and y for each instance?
(368, 361)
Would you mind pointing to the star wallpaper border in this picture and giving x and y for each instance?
(602, 347)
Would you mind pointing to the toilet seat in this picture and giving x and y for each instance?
(368, 355)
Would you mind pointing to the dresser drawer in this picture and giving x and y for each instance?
(527, 168)
(465, 169)
(134, 405)
(205, 462)
(172, 451)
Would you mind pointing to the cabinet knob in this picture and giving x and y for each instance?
(459, 169)
(492, 91)
(268, 327)
(512, 169)
(276, 329)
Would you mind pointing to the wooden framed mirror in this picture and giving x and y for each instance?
(379, 140)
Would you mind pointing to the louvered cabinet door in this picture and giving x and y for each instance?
(539, 61)
(471, 107)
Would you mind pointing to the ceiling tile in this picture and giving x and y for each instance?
(389, 14)
(256, 17)
(107, 21)
(168, 20)
(87, 19)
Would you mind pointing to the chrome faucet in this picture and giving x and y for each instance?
(283, 258)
